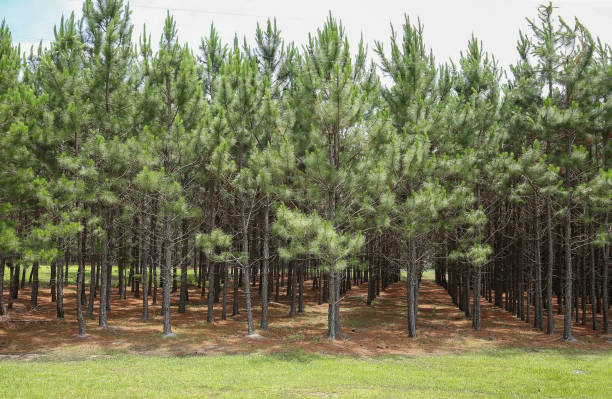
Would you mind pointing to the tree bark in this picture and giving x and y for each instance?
(567, 319)
(549, 272)
(293, 289)
(604, 284)
(102, 319)
(166, 279)
(224, 302)
(92, 290)
(34, 295)
(331, 313)
(51, 281)
(60, 290)
(246, 271)
(144, 271)
(79, 291)
(184, 293)
(2, 307)
(266, 266)
(476, 318)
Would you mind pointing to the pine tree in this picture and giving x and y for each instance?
(106, 33)
(340, 91)
(173, 93)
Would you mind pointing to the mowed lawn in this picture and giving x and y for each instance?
(500, 374)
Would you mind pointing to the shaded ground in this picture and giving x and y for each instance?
(376, 330)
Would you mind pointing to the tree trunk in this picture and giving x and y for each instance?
(144, 271)
(80, 278)
(604, 293)
(166, 279)
(11, 282)
(549, 272)
(301, 288)
(538, 278)
(183, 297)
(247, 281)
(2, 307)
(293, 289)
(103, 276)
(34, 295)
(210, 316)
(331, 313)
(236, 283)
(92, 290)
(476, 316)
(224, 302)
(109, 278)
(411, 299)
(51, 281)
(264, 272)
(60, 290)
(23, 277)
(567, 320)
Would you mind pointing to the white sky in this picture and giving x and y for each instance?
(448, 24)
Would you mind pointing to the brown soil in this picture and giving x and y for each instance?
(366, 330)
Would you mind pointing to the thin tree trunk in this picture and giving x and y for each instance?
(538, 273)
(245, 266)
(476, 318)
(567, 320)
(236, 283)
(224, 302)
(51, 281)
(34, 295)
(184, 293)
(604, 285)
(2, 307)
(549, 273)
(301, 288)
(331, 314)
(411, 298)
(264, 272)
(166, 279)
(210, 316)
(60, 290)
(593, 285)
(293, 289)
(92, 290)
(103, 276)
(144, 272)
(80, 279)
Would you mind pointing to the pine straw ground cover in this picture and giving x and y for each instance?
(367, 331)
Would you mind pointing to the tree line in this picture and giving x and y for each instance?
(269, 164)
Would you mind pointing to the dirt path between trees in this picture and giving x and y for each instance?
(366, 330)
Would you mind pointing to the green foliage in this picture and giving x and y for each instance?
(312, 235)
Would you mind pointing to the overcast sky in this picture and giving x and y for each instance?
(448, 24)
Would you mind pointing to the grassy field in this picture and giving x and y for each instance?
(44, 275)
(501, 374)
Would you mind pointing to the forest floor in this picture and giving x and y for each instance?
(367, 331)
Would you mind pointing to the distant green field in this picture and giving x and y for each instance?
(428, 274)
(44, 275)
(501, 374)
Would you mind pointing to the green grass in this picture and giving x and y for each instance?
(44, 275)
(502, 374)
(428, 274)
